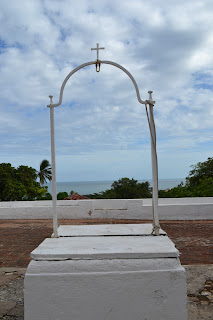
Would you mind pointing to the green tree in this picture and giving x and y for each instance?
(200, 171)
(27, 177)
(19, 184)
(199, 182)
(45, 172)
(62, 195)
(125, 188)
(46, 196)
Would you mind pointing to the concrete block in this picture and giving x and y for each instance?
(106, 272)
(125, 289)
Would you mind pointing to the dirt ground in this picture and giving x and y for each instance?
(194, 239)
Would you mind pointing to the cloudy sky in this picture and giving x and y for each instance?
(101, 129)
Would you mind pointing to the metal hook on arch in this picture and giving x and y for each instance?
(98, 66)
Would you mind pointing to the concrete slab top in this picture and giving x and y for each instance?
(111, 247)
(107, 230)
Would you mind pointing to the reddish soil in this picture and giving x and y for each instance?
(194, 239)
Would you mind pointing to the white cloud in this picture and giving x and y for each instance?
(166, 46)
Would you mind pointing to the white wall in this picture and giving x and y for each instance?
(169, 209)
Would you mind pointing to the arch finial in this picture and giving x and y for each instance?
(51, 99)
(150, 101)
(97, 48)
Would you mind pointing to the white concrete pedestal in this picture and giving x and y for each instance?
(110, 272)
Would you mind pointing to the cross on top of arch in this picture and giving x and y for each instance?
(97, 48)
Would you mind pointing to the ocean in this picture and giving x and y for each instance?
(89, 187)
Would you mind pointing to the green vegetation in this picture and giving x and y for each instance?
(20, 184)
(125, 188)
(199, 182)
(45, 172)
(47, 196)
(62, 195)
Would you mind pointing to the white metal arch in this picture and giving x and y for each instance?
(150, 118)
(89, 64)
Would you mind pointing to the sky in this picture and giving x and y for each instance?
(101, 129)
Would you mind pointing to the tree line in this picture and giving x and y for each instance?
(199, 183)
(21, 184)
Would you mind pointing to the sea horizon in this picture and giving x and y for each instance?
(96, 186)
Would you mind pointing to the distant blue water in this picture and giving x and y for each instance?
(89, 187)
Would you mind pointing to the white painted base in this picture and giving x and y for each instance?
(127, 289)
(105, 272)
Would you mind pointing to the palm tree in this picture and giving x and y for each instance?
(45, 172)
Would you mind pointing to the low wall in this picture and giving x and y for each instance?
(169, 209)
